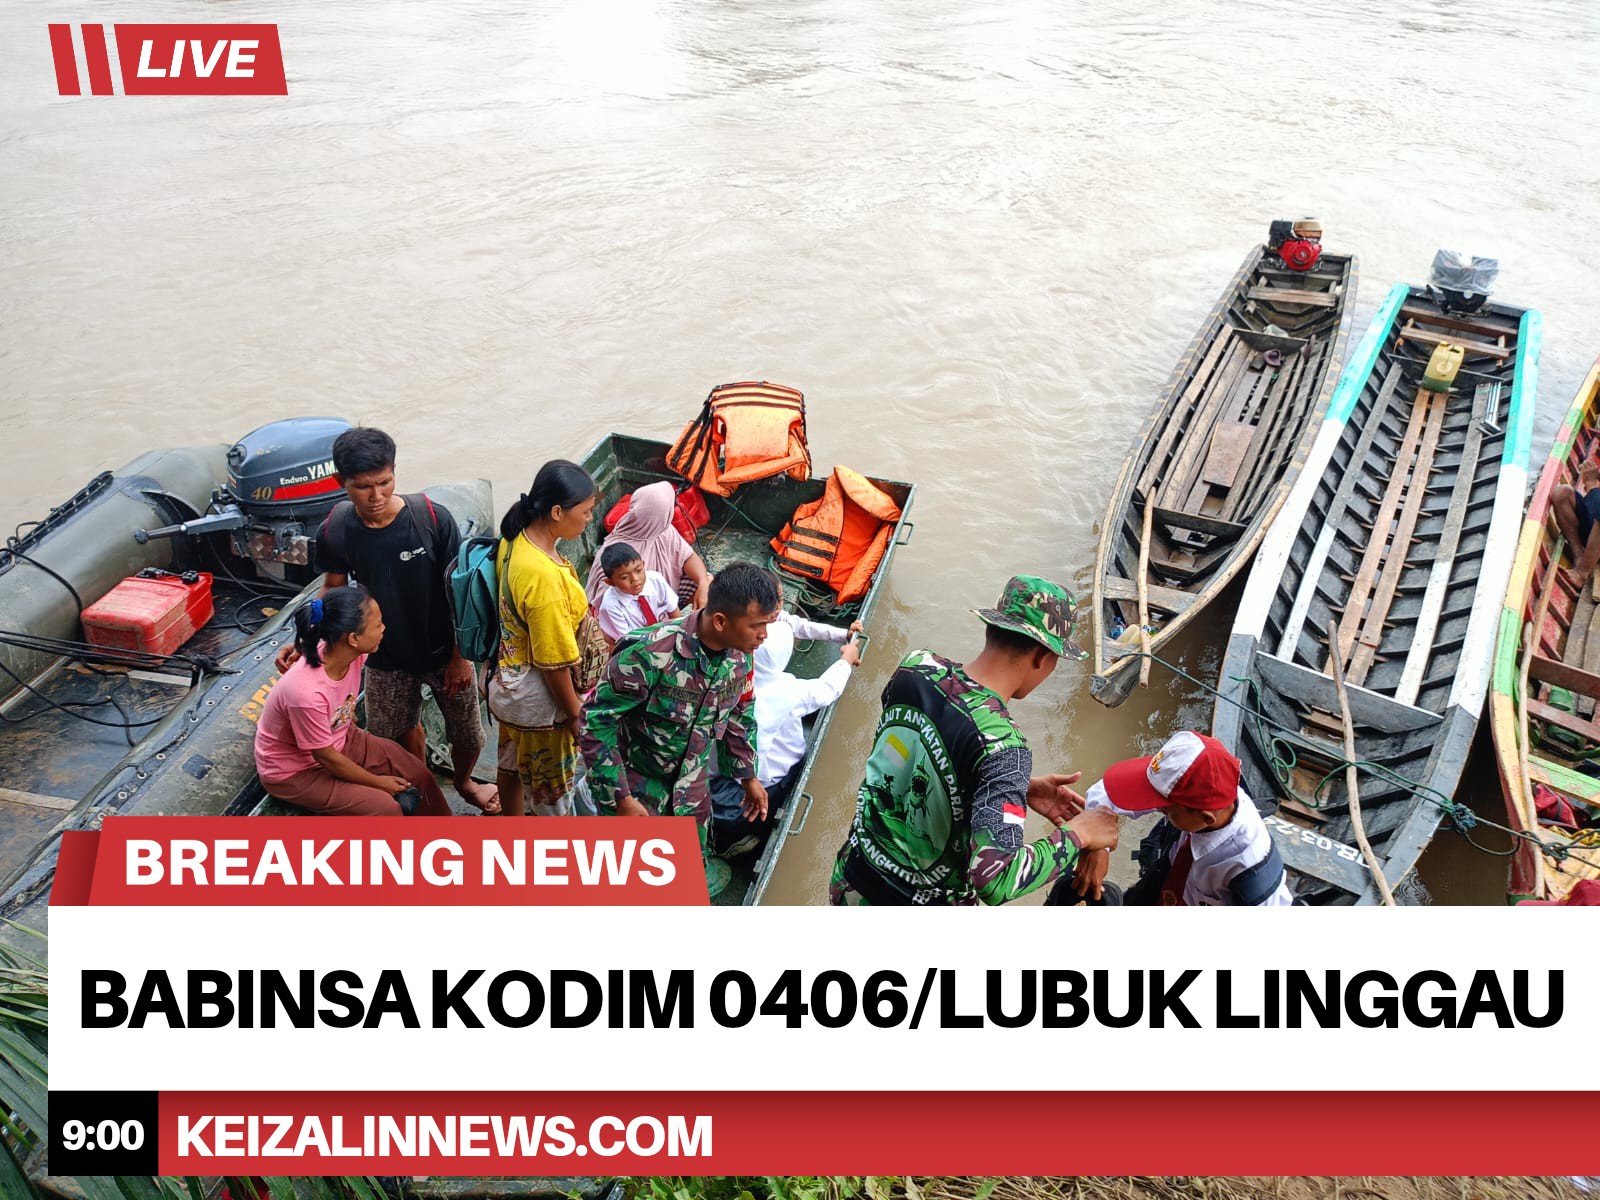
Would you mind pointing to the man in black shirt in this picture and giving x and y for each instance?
(399, 548)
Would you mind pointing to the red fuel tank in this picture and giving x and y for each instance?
(152, 615)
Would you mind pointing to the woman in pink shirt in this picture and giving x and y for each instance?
(309, 750)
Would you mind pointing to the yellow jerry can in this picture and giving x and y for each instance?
(1442, 367)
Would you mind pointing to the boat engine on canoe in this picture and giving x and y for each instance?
(116, 702)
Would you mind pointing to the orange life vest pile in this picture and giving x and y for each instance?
(745, 432)
(839, 540)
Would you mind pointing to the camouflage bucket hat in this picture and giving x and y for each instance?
(1038, 609)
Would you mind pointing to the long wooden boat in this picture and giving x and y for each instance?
(1213, 463)
(742, 527)
(1401, 529)
(1543, 695)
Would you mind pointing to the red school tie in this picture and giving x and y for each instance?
(1178, 874)
(644, 607)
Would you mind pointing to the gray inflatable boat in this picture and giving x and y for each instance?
(85, 731)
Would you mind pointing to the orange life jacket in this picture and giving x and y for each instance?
(745, 432)
(840, 539)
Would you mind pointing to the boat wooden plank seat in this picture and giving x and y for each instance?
(1318, 690)
(1276, 295)
(1428, 338)
(1412, 313)
(1562, 719)
(1166, 599)
(1258, 339)
(1183, 566)
(1192, 394)
(1560, 776)
(1198, 522)
(1296, 276)
(1574, 679)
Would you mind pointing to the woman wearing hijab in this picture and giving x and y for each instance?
(647, 527)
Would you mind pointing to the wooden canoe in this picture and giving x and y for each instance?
(1214, 461)
(1401, 529)
(1554, 702)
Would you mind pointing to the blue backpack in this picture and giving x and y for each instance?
(475, 598)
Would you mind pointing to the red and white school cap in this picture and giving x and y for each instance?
(1191, 770)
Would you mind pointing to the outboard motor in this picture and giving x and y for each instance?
(281, 485)
(1461, 283)
(1297, 243)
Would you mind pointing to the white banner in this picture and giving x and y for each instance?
(814, 998)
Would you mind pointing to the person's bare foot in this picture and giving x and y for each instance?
(482, 796)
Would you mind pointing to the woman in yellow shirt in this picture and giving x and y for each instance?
(536, 689)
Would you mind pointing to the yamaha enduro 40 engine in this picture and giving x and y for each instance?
(1297, 243)
(1460, 282)
(281, 486)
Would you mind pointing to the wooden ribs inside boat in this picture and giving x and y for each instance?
(1402, 546)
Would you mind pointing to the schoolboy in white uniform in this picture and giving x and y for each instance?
(1212, 846)
(783, 701)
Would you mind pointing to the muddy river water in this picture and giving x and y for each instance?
(976, 236)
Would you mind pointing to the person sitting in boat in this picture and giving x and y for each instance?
(948, 785)
(309, 750)
(647, 527)
(399, 547)
(782, 702)
(636, 597)
(1577, 512)
(668, 693)
(1211, 848)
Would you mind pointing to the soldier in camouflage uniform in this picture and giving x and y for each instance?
(948, 784)
(672, 691)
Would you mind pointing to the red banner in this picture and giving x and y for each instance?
(200, 60)
(1082, 1132)
(440, 861)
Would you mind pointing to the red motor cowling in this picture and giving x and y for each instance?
(1300, 254)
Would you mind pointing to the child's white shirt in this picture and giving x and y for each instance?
(1219, 854)
(619, 612)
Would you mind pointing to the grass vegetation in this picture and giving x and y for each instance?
(24, 1061)
(1114, 1187)
(24, 1069)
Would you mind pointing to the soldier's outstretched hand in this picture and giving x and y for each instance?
(1052, 799)
(1095, 829)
